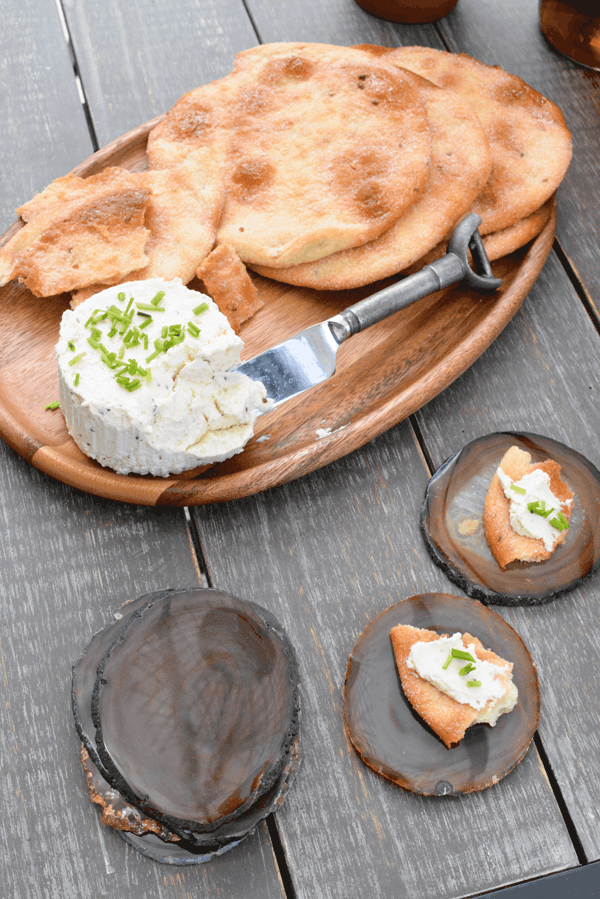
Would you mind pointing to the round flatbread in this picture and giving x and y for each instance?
(460, 166)
(529, 141)
(327, 148)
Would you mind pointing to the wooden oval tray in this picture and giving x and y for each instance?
(384, 374)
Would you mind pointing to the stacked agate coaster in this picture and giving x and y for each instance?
(188, 710)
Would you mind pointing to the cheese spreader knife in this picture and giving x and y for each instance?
(309, 357)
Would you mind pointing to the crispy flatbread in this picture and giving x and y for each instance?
(444, 715)
(184, 206)
(529, 141)
(60, 200)
(460, 166)
(228, 283)
(504, 542)
(102, 240)
(314, 135)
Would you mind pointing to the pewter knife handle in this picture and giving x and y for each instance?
(452, 267)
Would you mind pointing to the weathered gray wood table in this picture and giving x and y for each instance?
(325, 553)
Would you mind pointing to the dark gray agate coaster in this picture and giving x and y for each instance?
(196, 695)
(453, 530)
(393, 740)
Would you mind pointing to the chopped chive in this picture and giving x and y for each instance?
(76, 358)
(164, 333)
(121, 352)
(201, 308)
(467, 669)
(533, 507)
(76, 381)
(121, 296)
(129, 305)
(447, 662)
(54, 405)
(461, 654)
(71, 346)
(518, 489)
(148, 375)
(560, 522)
(148, 307)
(152, 356)
(473, 683)
(194, 331)
(146, 323)
(156, 299)
(145, 339)
(112, 331)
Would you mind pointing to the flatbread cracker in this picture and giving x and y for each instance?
(460, 166)
(505, 543)
(60, 200)
(444, 715)
(105, 239)
(228, 283)
(529, 141)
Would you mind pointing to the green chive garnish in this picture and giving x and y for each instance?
(156, 300)
(194, 331)
(533, 507)
(164, 333)
(54, 405)
(473, 683)
(121, 297)
(467, 669)
(518, 489)
(145, 339)
(145, 323)
(147, 307)
(560, 522)
(461, 654)
(76, 381)
(71, 346)
(447, 662)
(129, 305)
(152, 356)
(77, 358)
(201, 308)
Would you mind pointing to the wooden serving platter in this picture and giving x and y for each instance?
(384, 374)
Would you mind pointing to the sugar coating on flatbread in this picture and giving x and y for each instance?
(460, 166)
(445, 715)
(529, 141)
(505, 543)
(228, 283)
(57, 203)
(327, 148)
(102, 240)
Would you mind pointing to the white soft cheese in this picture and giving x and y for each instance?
(428, 659)
(192, 411)
(537, 489)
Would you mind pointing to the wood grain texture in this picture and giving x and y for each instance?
(44, 132)
(326, 554)
(137, 59)
(541, 375)
(509, 34)
(68, 562)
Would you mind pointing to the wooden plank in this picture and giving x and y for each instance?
(44, 132)
(326, 554)
(541, 375)
(508, 34)
(136, 59)
(68, 562)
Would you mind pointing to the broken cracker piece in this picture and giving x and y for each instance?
(228, 283)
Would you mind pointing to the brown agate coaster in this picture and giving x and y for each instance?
(209, 685)
(453, 530)
(393, 740)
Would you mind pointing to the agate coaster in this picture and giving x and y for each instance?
(454, 534)
(190, 703)
(393, 740)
